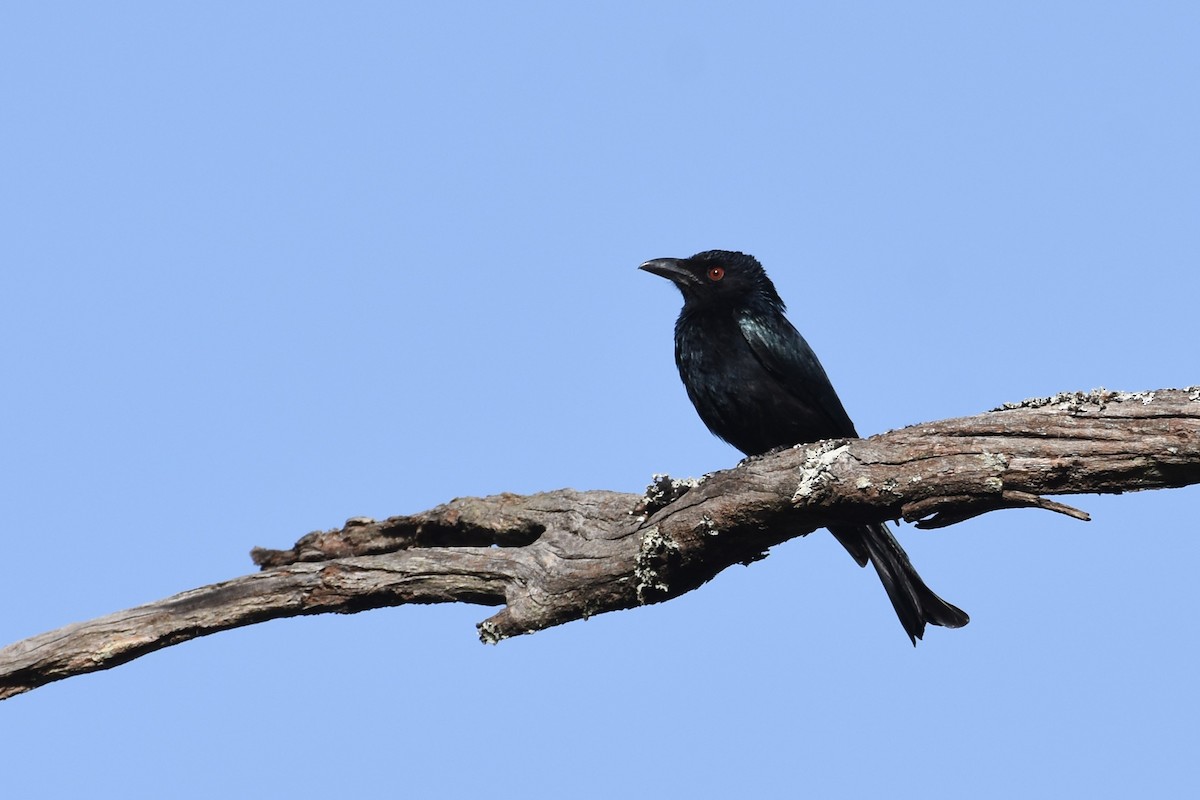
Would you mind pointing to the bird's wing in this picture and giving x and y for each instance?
(785, 354)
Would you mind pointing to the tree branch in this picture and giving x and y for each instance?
(559, 556)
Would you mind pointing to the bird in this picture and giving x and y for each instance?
(757, 384)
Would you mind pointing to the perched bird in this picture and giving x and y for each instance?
(758, 385)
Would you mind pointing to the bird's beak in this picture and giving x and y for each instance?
(670, 268)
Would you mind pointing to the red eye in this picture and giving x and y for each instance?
(716, 273)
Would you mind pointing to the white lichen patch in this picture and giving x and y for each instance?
(662, 491)
(993, 485)
(994, 460)
(1146, 398)
(1041, 402)
(653, 548)
(489, 633)
(815, 474)
(1077, 402)
(863, 483)
(707, 526)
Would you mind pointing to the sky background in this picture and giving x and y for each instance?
(267, 266)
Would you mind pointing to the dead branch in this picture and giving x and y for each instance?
(565, 555)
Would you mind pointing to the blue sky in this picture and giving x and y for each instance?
(269, 266)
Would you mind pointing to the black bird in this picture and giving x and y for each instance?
(758, 385)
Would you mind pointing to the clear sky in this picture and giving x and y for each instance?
(267, 266)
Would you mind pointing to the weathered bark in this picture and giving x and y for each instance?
(559, 556)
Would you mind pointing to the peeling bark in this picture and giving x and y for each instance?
(559, 556)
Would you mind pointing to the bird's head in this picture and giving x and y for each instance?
(717, 278)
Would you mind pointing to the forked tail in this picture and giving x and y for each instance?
(915, 603)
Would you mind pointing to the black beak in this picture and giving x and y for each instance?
(672, 269)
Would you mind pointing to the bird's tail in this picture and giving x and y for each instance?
(915, 603)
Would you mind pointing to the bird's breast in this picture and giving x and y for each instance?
(736, 396)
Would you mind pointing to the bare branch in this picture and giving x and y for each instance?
(559, 556)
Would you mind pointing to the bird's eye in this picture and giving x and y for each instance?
(716, 273)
